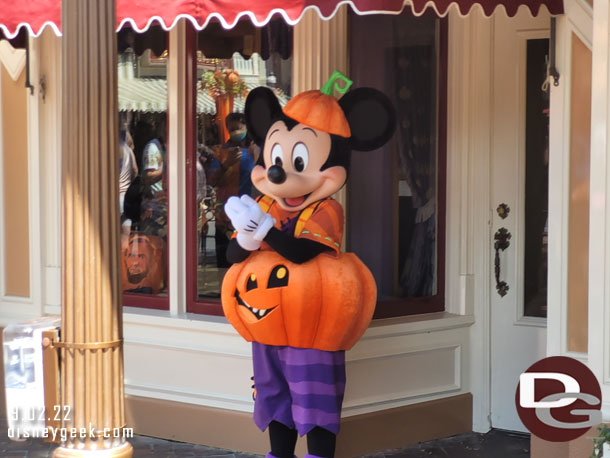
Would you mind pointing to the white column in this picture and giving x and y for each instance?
(468, 238)
(176, 76)
(320, 47)
(599, 236)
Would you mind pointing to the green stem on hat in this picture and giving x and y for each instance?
(333, 84)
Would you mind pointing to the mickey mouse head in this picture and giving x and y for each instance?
(306, 147)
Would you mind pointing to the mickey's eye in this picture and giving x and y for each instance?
(277, 155)
(252, 283)
(278, 277)
(300, 157)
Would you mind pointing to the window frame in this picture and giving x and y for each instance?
(154, 301)
(389, 308)
(194, 304)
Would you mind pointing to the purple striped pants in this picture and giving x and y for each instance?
(299, 387)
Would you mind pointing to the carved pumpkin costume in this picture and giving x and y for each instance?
(299, 357)
(295, 295)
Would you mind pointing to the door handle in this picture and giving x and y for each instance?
(501, 237)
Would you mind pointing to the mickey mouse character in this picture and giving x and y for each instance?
(305, 156)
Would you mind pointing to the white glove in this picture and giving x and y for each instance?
(249, 220)
(247, 242)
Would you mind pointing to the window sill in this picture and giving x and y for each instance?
(414, 324)
(418, 324)
(164, 318)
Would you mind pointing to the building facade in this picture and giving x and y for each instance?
(507, 156)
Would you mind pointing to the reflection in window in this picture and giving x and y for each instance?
(393, 192)
(142, 82)
(226, 155)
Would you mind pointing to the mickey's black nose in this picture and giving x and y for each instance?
(276, 174)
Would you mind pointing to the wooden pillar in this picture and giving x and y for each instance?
(91, 333)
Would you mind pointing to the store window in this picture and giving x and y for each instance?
(143, 181)
(396, 194)
(229, 63)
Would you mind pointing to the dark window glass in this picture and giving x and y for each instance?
(396, 196)
(536, 180)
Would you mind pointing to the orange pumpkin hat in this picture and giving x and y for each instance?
(320, 109)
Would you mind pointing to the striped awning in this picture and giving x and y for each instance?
(150, 95)
(35, 15)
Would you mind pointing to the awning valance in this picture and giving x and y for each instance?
(140, 14)
(441, 7)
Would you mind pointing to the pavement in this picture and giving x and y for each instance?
(495, 444)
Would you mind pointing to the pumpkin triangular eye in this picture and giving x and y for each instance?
(278, 277)
(252, 283)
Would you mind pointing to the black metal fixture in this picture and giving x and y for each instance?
(552, 69)
(501, 237)
(503, 211)
(27, 66)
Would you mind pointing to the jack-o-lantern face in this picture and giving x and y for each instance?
(326, 303)
(263, 300)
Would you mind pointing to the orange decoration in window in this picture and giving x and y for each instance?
(143, 263)
(326, 303)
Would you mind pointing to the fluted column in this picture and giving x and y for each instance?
(320, 47)
(91, 333)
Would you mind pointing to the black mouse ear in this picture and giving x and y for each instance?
(371, 117)
(262, 110)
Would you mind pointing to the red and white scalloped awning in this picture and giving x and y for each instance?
(36, 14)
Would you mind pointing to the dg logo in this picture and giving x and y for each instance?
(558, 399)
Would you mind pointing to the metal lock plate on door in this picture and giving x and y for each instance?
(503, 211)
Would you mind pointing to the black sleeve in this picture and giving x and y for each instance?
(294, 249)
(236, 253)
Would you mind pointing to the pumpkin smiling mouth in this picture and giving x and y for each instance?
(258, 313)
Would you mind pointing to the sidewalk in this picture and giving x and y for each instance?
(495, 444)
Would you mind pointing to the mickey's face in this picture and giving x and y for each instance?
(293, 160)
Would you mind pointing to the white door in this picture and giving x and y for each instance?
(519, 157)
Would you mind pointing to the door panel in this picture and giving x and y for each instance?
(519, 178)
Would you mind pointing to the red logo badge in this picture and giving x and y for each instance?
(558, 399)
